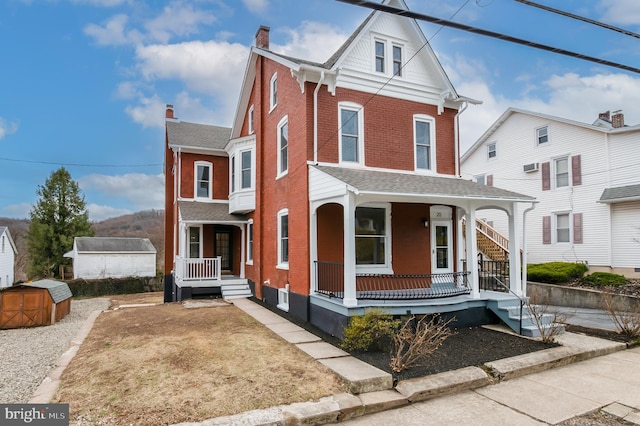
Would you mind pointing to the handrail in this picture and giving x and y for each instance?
(522, 302)
(493, 235)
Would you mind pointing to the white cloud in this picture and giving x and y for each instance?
(176, 19)
(7, 127)
(98, 212)
(256, 6)
(313, 41)
(101, 3)
(142, 191)
(621, 12)
(149, 112)
(113, 33)
(19, 211)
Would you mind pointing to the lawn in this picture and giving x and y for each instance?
(167, 364)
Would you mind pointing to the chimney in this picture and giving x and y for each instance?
(169, 112)
(262, 37)
(605, 116)
(617, 119)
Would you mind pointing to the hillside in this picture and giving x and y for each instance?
(143, 224)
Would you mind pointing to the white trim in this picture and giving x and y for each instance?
(432, 143)
(250, 117)
(359, 110)
(241, 187)
(279, 172)
(282, 264)
(489, 151)
(188, 242)
(197, 164)
(537, 130)
(250, 242)
(387, 267)
(387, 63)
(554, 172)
(273, 93)
(554, 227)
(232, 174)
(283, 298)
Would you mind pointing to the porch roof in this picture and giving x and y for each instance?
(620, 194)
(194, 135)
(194, 211)
(375, 182)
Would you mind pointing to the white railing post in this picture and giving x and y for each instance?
(218, 265)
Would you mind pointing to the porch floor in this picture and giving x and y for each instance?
(224, 280)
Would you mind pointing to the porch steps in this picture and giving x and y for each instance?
(508, 311)
(235, 290)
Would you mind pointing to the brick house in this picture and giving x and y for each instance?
(340, 184)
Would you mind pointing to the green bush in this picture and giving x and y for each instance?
(555, 272)
(372, 331)
(108, 286)
(603, 279)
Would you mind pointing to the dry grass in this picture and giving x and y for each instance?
(132, 299)
(166, 364)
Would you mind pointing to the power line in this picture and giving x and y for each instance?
(579, 18)
(480, 31)
(15, 160)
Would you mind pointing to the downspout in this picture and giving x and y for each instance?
(315, 118)
(524, 249)
(457, 136)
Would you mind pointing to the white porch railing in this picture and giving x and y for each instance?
(197, 269)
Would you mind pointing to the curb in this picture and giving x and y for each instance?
(47, 389)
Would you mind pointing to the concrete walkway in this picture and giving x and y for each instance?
(515, 391)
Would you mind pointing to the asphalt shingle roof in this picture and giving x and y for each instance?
(58, 290)
(193, 135)
(620, 193)
(207, 212)
(113, 244)
(412, 184)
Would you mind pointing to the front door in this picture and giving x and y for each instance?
(441, 247)
(223, 248)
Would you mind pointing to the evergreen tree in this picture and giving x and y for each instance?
(59, 215)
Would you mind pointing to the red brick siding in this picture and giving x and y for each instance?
(170, 207)
(411, 240)
(330, 233)
(220, 175)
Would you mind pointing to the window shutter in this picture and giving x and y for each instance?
(577, 228)
(546, 176)
(576, 170)
(489, 180)
(546, 229)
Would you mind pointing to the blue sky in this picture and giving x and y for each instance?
(84, 83)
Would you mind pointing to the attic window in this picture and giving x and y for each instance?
(379, 56)
(397, 61)
(273, 98)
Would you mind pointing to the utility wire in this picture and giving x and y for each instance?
(447, 23)
(579, 18)
(78, 164)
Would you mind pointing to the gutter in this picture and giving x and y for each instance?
(456, 129)
(315, 118)
(524, 248)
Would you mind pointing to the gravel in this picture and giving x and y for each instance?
(29, 354)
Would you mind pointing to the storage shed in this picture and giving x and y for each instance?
(112, 257)
(33, 304)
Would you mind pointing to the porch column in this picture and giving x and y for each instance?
(459, 239)
(182, 240)
(313, 247)
(349, 213)
(243, 244)
(515, 278)
(472, 252)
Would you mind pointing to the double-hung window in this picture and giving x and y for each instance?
(233, 173)
(561, 172)
(397, 61)
(250, 241)
(351, 130)
(491, 150)
(283, 239)
(372, 229)
(563, 228)
(542, 135)
(194, 242)
(423, 134)
(273, 96)
(245, 172)
(283, 146)
(379, 47)
(202, 179)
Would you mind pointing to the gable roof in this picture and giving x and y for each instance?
(58, 290)
(113, 244)
(393, 183)
(200, 136)
(329, 70)
(5, 230)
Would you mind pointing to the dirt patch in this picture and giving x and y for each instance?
(166, 364)
(117, 300)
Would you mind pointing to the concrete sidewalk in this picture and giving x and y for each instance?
(476, 395)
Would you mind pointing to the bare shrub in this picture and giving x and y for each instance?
(548, 322)
(627, 323)
(417, 339)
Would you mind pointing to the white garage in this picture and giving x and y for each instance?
(109, 257)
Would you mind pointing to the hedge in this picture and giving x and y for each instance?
(555, 272)
(110, 286)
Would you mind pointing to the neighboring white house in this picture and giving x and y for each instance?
(107, 257)
(586, 178)
(8, 254)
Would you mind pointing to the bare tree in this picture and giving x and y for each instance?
(417, 339)
(627, 322)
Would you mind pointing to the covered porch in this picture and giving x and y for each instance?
(404, 240)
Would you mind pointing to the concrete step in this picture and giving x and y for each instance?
(509, 312)
(235, 291)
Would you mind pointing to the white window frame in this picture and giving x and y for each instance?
(375, 56)
(432, 143)
(490, 150)
(393, 59)
(283, 298)
(281, 263)
(250, 245)
(196, 178)
(554, 171)
(539, 137)
(280, 172)
(250, 121)
(385, 268)
(3, 243)
(479, 178)
(555, 227)
(273, 91)
(188, 246)
(388, 60)
(232, 171)
(352, 106)
(241, 174)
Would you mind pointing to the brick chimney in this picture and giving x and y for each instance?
(617, 119)
(262, 37)
(169, 111)
(605, 116)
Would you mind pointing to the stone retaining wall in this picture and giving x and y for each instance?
(557, 295)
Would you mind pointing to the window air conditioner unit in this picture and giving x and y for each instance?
(533, 167)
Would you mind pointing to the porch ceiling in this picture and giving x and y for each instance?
(194, 211)
(374, 182)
